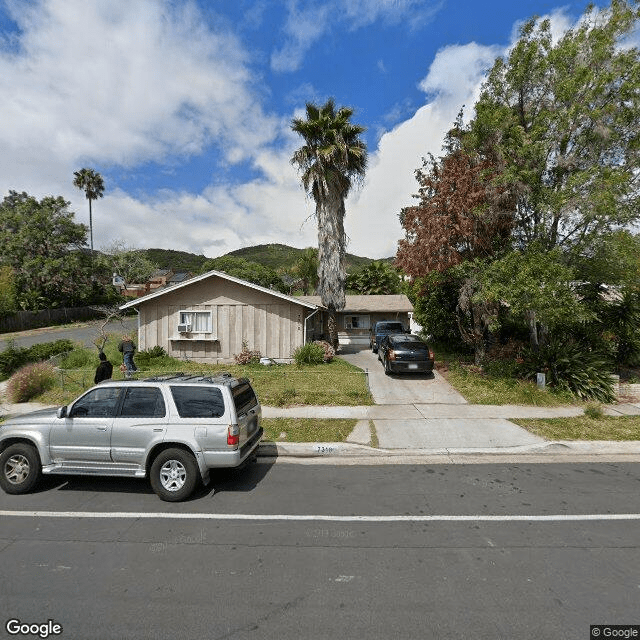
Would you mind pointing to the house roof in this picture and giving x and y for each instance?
(224, 276)
(369, 304)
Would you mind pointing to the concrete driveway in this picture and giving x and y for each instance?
(409, 419)
(397, 388)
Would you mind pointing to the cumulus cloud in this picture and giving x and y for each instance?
(119, 83)
(122, 82)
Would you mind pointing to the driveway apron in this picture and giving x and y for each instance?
(403, 394)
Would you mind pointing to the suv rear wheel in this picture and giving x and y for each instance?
(174, 475)
(19, 468)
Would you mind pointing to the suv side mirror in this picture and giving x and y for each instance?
(62, 412)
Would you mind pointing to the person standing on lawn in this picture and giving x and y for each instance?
(127, 348)
(104, 370)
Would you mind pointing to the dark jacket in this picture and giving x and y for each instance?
(103, 372)
(126, 346)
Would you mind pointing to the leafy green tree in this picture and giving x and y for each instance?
(246, 270)
(7, 291)
(537, 287)
(377, 278)
(41, 243)
(563, 117)
(434, 298)
(91, 182)
(331, 158)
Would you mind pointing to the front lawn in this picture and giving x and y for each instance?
(333, 383)
(584, 428)
(479, 387)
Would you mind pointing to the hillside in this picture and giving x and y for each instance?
(276, 256)
(175, 260)
(281, 256)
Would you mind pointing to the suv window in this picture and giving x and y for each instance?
(142, 402)
(198, 402)
(244, 398)
(98, 403)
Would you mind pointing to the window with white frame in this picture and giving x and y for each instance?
(356, 322)
(197, 321)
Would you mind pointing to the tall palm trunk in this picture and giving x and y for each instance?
(331, 249)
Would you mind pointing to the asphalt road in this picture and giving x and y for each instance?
(291, 551)
(85, 333)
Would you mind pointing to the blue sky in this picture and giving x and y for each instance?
(185, 107)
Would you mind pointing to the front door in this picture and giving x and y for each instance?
(85, 434)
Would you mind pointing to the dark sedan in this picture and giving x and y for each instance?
(402, 353)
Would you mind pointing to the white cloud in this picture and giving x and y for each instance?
(121, 82)
(454, 79)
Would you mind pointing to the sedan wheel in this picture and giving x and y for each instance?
(19, 468)
(174, 474)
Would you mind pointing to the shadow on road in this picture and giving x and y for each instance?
(230, 480)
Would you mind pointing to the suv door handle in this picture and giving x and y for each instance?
(102, 428)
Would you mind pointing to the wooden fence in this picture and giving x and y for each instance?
(23, 320)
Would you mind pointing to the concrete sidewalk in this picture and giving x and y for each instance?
(429, 433)
(448, 433)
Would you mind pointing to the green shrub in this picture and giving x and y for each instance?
(30, 381)
(148, 357)
(310, 353)
(570, 366)
(45, 350)
(12, 358)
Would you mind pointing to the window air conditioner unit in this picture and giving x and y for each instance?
(184, 328)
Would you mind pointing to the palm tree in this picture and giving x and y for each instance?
(306, 268)
(330, 159)
(92, 184)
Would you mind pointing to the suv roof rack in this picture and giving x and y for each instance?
(224, 377)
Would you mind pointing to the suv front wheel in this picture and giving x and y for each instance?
(174, 475)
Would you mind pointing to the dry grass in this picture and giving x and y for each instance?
(584, 428)
(306, 429)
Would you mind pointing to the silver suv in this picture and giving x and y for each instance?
(171, 428)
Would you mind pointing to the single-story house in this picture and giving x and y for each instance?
(359, 314)
(208, 318)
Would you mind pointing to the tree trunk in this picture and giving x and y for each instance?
(533, 329)
(331, 248)
(333, 329)
(91, 226)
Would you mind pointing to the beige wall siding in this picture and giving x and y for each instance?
(238, 313)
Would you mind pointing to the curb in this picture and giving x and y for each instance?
(337, 451)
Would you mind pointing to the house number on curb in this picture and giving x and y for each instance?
(320, 448)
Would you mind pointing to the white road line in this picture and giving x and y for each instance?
(319, 518)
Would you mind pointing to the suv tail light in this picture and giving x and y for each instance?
(431, 356)
(233, 435)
